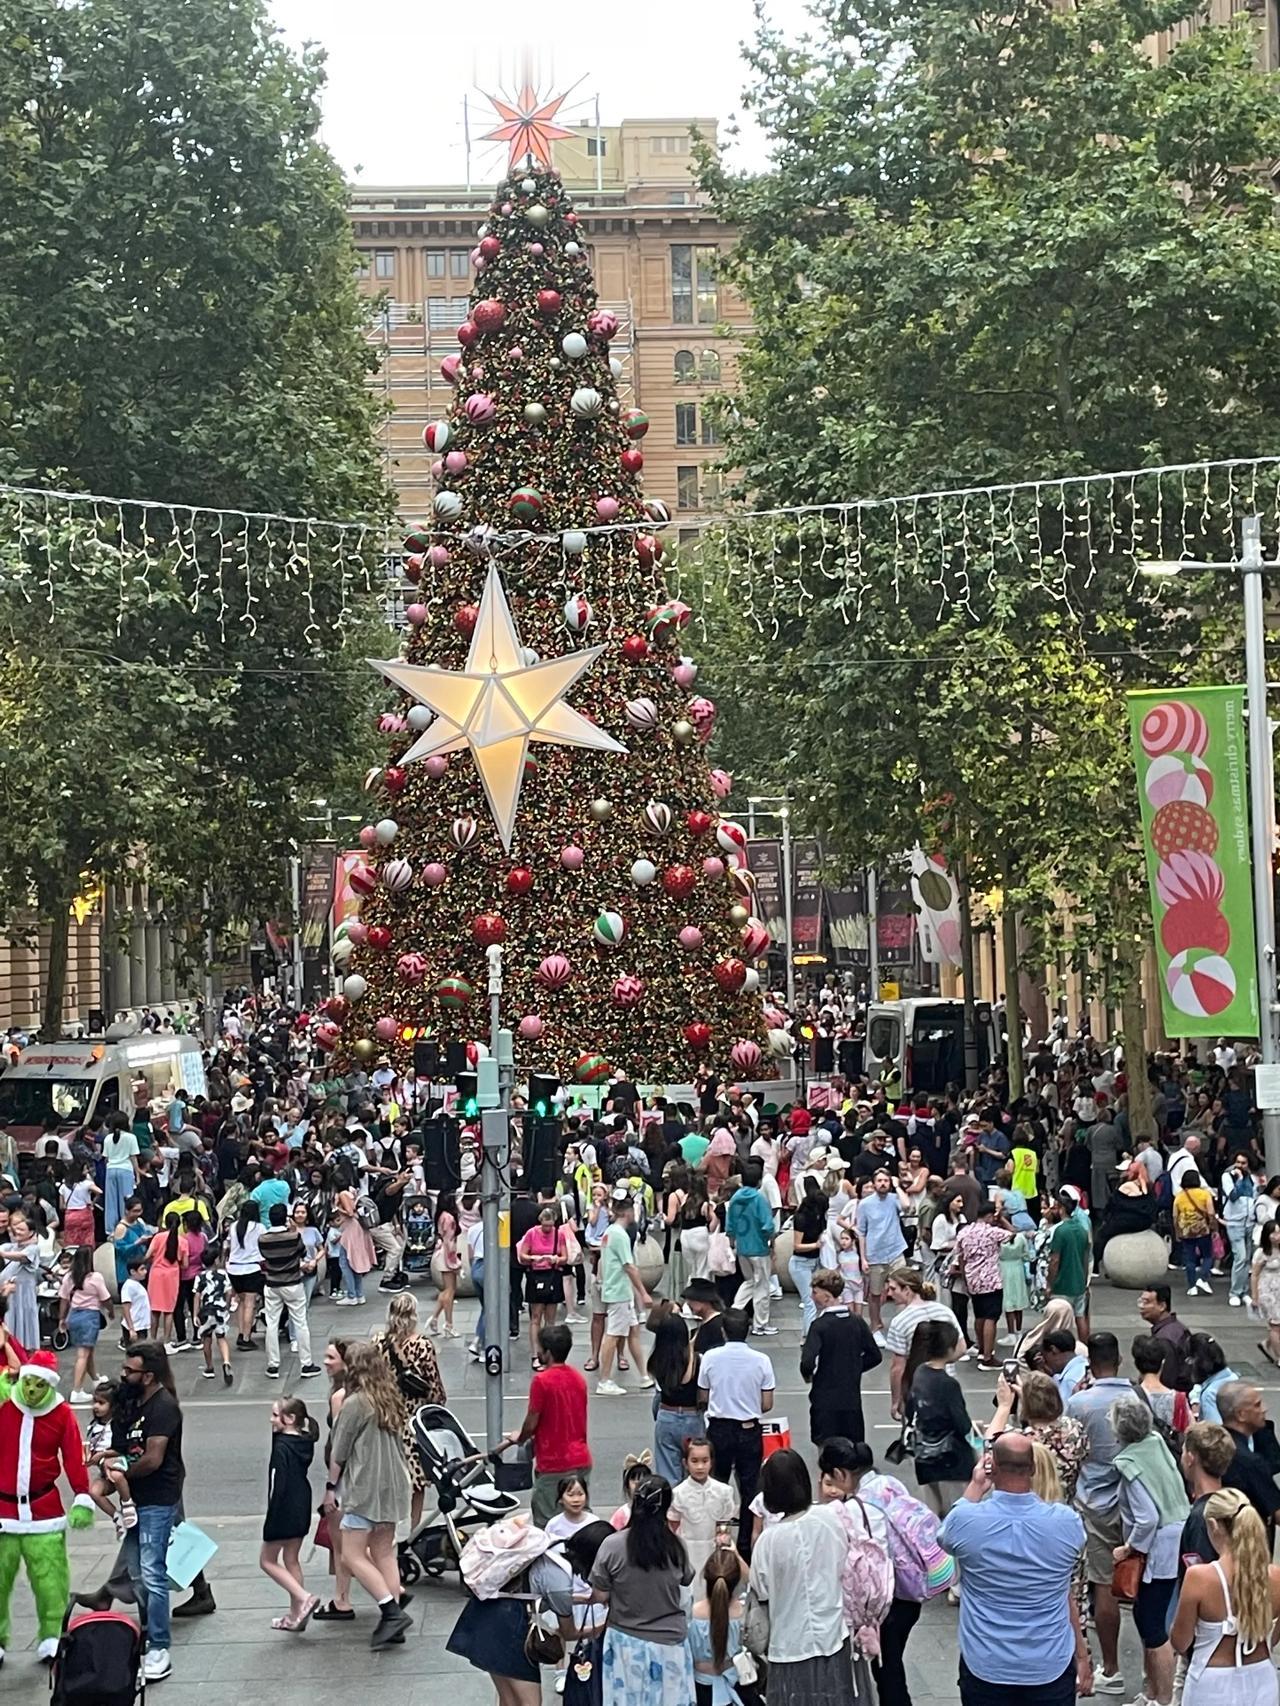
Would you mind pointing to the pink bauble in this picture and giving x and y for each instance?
(602, 322)
(571, 857)
(436, 766)
(386, 1029)
(327, 1036)
(721, 783)
(607, 508)
(367, 837)
(713, 867)
(685, 674)
(554, 972)
(515, 354)
(691, 938)
(391, 722)
(506, 207)
(627, 990)
(1189, 875)
(1174, 727)
(438, 556)
(534, 248)
(434, 874)
(449, 369)
(480, 409)
(411, 968)
(1178, 776)
(530, 1027)
(437, 468)
(745, 1055)
(358, 933)
(416, 614)
(455, 461)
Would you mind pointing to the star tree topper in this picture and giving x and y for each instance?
(528, 125)
(498, 704)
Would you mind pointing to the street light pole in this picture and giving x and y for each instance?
(784, 812)
(873, 934)
(1262, 815)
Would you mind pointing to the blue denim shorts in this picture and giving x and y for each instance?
(83, 1327)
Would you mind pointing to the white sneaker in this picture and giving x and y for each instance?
(609, 1389)
(1007, 1339)
(573, 1321)
(47, 1651)
(1235, 1302)
(156, 1665)
(764, 1332)
(1106, 1683)
(345, 1303)
(1192, 1292)
(1141, 1700)
(176, 1345)
(82, 1397)
(880, 1340)
(561, 1678)
(1205, 1287)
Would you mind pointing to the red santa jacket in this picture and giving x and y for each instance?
(32, 1450)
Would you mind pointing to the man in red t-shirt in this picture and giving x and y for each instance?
(556, 1422)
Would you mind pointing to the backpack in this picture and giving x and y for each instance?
(921, 1569)
(367, 1213)
(499, 1553)
(1170, 1432)
(866, 1580)
(99, 1658)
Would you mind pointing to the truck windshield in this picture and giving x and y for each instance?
(30, 1101)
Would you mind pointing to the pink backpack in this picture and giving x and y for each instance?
(866, 1579)
(496, 1555)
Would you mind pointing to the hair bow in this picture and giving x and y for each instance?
(643, 1461)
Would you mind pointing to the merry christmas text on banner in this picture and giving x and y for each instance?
(1189, 752)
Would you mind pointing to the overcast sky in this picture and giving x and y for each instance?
(397, 74)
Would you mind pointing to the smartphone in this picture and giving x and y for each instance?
(724, 1534)
(1011, 1370)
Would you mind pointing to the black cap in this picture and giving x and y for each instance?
(700, 1291)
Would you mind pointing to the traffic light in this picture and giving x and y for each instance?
(542, 1089)
(468, 1099)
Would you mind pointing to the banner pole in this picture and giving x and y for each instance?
(1262, 816)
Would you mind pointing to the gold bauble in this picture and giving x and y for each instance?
(738, 915)
(683, 732)
(601, 809)
(365, 1049)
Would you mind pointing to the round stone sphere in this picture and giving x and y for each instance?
(1136, 1260)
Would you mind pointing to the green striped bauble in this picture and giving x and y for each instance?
(454, 992)
(609, 929)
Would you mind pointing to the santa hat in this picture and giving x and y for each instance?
(40, 1365)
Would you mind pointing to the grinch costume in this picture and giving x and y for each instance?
(39, 1436)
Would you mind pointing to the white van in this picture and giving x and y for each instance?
(79, 1081)
(920, 1040)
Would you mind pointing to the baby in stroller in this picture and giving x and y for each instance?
(467, 1497)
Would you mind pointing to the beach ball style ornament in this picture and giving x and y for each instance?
(487, 928)
(1201, 983)
(642, 714)
(354, 987)
(1178, 776)
(592, 1069)
(436, 435)
(586, 404)
(657, 814)
(643, 873)
(577, 613)
(454, 992)
(691, 938)
(721, 783)
(554, 972)
(627, 990)
(363, 879)
(327, 1036)
(698, 1035)
(499, 705)
(609, 929)
(530, 1027)
(1173, 727)
(447, 505)
(463, 831)
(574, 345)
(526, 504)
(731, 836)
(745, 1056)
(411, 968)
(635, 423)
(397, 874)
(755, 938)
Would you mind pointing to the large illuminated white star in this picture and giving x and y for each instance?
(498, 704)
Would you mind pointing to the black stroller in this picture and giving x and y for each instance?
(467, 1495)
(419, 1235)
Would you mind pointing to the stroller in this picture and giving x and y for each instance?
(467, 1497)
(419, 1235)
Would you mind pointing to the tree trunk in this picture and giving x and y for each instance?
(966, 967)
(1128, 961)
(55, 983)
(1012, 996)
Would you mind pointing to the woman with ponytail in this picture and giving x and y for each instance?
(1227, 1611)
(715, 1629)
(638, 1574)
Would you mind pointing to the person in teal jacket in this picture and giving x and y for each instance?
(749, 1223)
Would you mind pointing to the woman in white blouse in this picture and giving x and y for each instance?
(796, 1570)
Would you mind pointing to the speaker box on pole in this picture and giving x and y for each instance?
(440, 1154)
(455, 1059)
(541, 1153)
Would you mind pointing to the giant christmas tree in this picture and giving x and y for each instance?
(546, 785)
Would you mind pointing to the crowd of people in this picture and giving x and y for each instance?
(919, 1235)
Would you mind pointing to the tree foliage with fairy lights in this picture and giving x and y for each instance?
(546, 785)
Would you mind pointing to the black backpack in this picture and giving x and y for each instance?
(99, 1656)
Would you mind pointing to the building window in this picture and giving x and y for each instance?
(362, 264)
(668, 145)
(688, 535)
(709, 367)
(686, 423)
(683, 366)
(435, 263)
(677, 198)
(459, 263)
(694, 297)
(441, 314)
(710, 431)
(711, 488)
(384, 263)
(595, 148)
(687, 488)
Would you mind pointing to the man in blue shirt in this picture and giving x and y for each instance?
(749, 1222)
(1020, 1637)
(881, 1241)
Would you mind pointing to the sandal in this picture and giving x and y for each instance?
(284, 1624)
(591, 1364)
(535, 1363)
(1268, 1353)
(330, 1614)
(308, 1612)
(623, 1366)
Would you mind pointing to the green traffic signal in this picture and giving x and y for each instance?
(471, 1107)
(540, 1108)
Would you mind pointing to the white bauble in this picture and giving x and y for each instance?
(343, 950)
(353, 987)
(387, 828)
(448, 505)
(419, 718)
(537, 215)
(574, 345)
(643, 872)
(586, 403)
(615, 367)
(573, 543)
(528, 185)
(573, 250)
